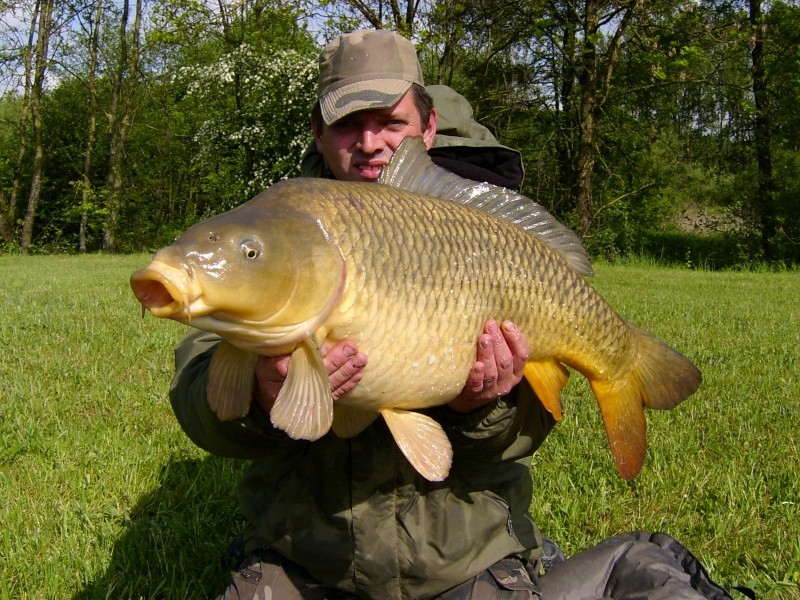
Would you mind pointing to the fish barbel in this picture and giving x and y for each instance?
(411, 279)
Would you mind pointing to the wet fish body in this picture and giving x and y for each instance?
(411, 279)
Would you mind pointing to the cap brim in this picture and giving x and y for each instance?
(362, 95)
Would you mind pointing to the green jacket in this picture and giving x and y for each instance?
(353, 512)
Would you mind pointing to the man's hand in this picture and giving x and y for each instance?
(502, 354)
(343, 361)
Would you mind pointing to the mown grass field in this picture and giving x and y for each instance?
(104, 497)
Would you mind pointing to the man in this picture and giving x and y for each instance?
(350, 518)
(352, 515)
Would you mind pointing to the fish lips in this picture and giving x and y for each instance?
(165, 291)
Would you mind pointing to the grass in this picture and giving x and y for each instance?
(104, 497)
(723, 469)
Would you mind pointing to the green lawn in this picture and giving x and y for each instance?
(104, 497)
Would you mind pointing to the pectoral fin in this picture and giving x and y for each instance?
(423, 442)
(304, 406)
(349, 421)
(547, 378)
(230, 381)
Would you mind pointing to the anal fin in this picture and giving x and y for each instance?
(423, 442)
(547, 378)
(231, 378)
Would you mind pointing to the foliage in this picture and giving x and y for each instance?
(197, 144)
(223, 91)
(257, 104)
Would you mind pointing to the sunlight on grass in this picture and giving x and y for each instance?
(106, 498)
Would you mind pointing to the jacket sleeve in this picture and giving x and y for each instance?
(248, 438)
(510, 428)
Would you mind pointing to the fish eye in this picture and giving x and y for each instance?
(251, 249)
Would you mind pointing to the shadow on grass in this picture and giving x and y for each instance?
(176, 536)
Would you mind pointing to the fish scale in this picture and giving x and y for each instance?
(418, 258)
(411, 279)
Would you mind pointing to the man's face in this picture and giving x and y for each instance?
(357, 147)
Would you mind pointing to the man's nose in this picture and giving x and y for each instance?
(370, 141)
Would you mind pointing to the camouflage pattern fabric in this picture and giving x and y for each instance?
(266, 575)
(363, 70)
(508, 579)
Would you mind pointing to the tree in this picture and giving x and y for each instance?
(261, 141)
(249, 87)
(8, 207)
(589, 36)
(43, 31)
(763, 137)
(775, 75)
(377, 14)
(625, 114)
(85, 183)
(120, 114)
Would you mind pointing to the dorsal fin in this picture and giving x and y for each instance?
(413, 170)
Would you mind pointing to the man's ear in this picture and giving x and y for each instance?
(430, 131)
(316, 129)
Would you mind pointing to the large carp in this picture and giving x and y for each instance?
(411, 279)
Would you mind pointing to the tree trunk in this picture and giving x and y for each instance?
(119, 117)
(42, 43)
(563, 74)
(91, 128)
(8, 209)
(586, 153)
(583, 104)
(765, 202)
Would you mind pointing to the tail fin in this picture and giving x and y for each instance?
(660, 378)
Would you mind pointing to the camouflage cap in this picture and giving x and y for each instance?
(365, 69)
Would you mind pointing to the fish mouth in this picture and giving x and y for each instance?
(164, 290)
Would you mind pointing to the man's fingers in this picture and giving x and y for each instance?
(503, 358)
(348, 375)
(270, 374)
(517, 345)
(338, 354)
(474, 382)
(272, 368)
(486, 358)
(503, 352)
(344, 363)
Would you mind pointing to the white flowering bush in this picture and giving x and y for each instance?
(258, 116)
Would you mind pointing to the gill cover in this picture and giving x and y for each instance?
(270, 276)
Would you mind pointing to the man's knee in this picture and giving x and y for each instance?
(266, 575)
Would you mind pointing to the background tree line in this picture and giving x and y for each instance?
(666, 128)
